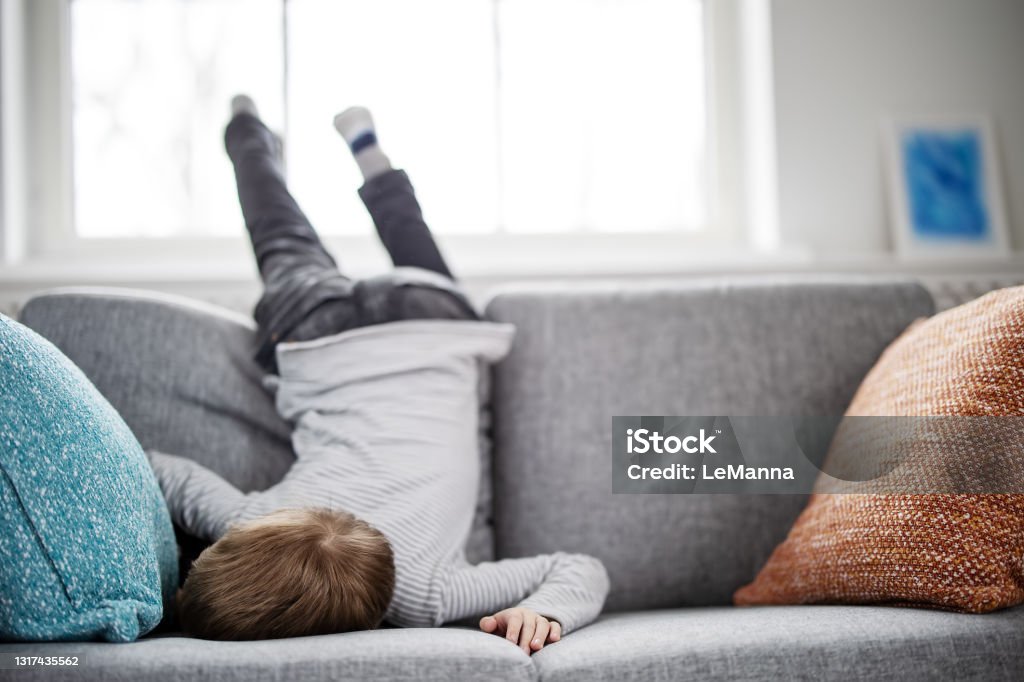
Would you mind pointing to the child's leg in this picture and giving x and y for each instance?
(392, 204)
(299, 275)
(389, 197)
(281, 234)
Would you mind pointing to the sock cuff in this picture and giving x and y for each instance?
(362, 141)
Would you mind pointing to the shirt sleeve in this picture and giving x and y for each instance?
(200, 501)
(567, 588)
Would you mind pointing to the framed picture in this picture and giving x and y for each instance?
(945, 192)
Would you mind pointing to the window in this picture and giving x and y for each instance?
(519, 116)
(525, 125)
(150, 85)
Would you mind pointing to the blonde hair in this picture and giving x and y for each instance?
(291, 573)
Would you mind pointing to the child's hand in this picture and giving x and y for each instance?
(525, 627)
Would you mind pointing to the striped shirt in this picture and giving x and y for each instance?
(385, 427)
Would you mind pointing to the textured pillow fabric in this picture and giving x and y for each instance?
(86, 545)
(959, 552)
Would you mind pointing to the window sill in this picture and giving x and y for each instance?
(483, 257)
(503, 259)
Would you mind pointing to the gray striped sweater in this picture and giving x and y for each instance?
(385, 427)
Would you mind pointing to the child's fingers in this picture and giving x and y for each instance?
(556, 632)
(488, 623)
(526, 635)
(541, 635)
(515, 623)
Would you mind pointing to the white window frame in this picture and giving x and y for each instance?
(41, 228)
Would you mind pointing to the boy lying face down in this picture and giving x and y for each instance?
(380, 379)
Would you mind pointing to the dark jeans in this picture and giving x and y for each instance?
(305, 296)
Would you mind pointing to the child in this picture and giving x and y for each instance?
(371, 522)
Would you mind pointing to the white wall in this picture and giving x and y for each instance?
(840, 65)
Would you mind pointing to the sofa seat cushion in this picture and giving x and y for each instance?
(421, 654)
(787, 642)
(791, 642)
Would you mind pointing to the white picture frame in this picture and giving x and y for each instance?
(945, 187)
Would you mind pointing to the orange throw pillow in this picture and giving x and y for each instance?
(958, 552)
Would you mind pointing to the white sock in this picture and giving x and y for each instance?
(356, 127)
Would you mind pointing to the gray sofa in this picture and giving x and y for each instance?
(180, 374)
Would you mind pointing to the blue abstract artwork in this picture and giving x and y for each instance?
(944, 173)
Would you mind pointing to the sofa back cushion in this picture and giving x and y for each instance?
(179, 372)
(583, 356)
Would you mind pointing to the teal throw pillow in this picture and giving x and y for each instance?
(87, 550)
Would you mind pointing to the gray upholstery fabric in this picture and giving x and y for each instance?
(799, 642)
(791, 643)
(180, 373)
(446, 655)
(582, 356)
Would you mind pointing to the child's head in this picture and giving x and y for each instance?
(290, 573)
